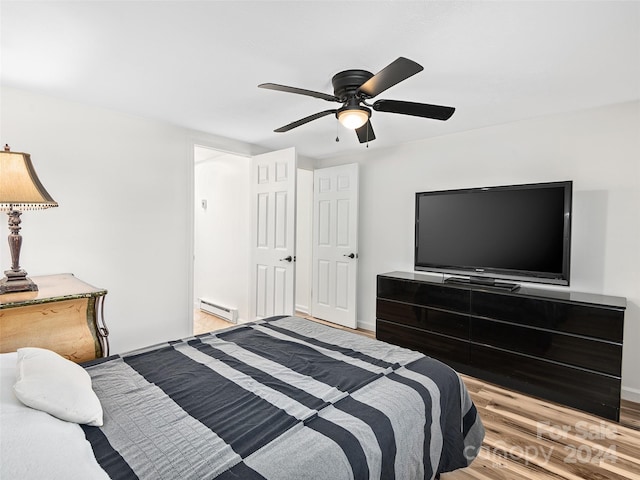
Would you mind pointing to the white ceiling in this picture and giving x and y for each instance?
(198, 63)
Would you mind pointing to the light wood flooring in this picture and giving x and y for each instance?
(529, 439)
(204, 323)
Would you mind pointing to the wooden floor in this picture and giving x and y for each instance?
(527, 438)
(530, 439)
(204, 323)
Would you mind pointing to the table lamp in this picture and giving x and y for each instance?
(20, 189)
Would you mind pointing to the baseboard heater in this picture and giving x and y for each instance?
(228, 314)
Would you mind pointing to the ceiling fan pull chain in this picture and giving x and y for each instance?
(337, 131)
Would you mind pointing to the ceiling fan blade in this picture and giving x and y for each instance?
(365, 133)
(437, 112)
(304, 120)
(397, 71)
(299, 91)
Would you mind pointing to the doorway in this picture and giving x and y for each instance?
(222, 232)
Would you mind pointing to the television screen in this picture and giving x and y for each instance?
(516, 232)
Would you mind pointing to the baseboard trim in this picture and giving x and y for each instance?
(631, 394)
(302, 309)
(371, 326)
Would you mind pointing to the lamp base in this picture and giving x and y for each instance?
(17, 281)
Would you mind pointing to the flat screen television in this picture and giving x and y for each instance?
(514, 233)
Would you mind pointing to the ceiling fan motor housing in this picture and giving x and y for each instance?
(345, 84)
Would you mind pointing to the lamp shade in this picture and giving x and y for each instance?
(20, 188)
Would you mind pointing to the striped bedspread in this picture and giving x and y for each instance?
(281, 398)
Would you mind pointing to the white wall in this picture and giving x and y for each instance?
(124, 185)
(222, 232)
(598, 149)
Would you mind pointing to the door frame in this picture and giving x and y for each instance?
(204, 141)
(304, 240)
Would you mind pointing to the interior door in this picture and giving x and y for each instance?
(273, 194)
(335, 244)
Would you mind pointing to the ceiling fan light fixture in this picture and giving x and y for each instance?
(353, 117)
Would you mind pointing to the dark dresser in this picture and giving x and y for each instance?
(558, 345)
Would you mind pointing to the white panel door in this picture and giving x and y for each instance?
(335, 244)
(273, 194)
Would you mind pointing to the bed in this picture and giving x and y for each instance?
(280, 398)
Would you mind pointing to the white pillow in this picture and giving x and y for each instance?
(49, 382)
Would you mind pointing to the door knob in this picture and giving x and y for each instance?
(287, 259)
(351, 255)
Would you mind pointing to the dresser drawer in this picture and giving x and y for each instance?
(605, 357)
(439, 321)
(446, 349)
(432, 295)
(593, 392)
(592, 321)
(64, 327)
(63, 315)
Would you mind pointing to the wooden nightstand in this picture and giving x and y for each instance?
(65, 315)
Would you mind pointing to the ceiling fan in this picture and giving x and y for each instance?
(353, 88)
